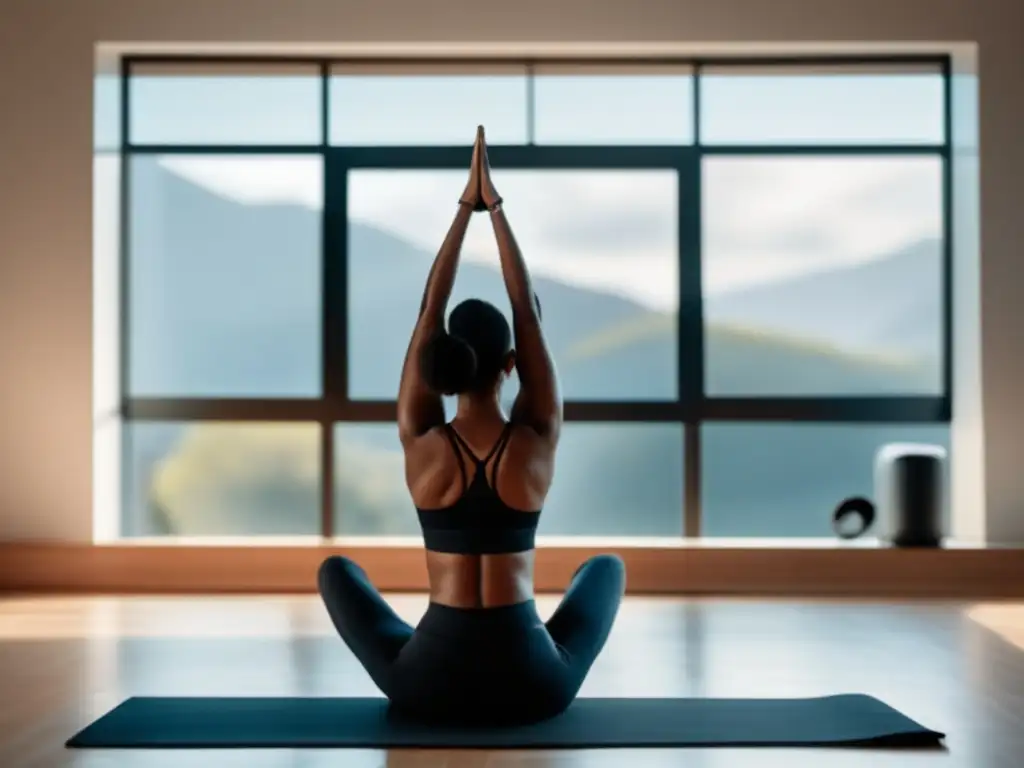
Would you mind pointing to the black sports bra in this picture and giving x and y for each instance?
(479, 522)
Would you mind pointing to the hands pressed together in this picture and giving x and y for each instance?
(480, 193)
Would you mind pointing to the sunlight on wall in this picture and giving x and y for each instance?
(967, 472)
(106, 453)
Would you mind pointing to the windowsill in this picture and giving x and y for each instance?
(555, 542)
(820, 566)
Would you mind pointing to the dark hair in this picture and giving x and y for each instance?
(470, 355)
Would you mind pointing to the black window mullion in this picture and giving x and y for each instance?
(947, 236)
(334, 333)
(328, 308)
(690, 331)
(325, 103)
(695, 101)
(126, 482)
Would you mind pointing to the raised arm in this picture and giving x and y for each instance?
(419, 408)
(539, 402)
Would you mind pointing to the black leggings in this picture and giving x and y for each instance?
(477, 665)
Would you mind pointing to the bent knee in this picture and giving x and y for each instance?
(335, 572)
(607, 563)
(606, 567)
(609, 560)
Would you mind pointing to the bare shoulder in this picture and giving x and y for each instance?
(528, 442)
(426, 450)
(527, 471)
(430, 468)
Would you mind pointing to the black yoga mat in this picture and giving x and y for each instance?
(847, 720)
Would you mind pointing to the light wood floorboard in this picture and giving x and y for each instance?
(955, 667)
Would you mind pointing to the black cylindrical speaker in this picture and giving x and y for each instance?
(910, 488)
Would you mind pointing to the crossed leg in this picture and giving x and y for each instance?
(367, 624)
(376, 635)
(581, 624)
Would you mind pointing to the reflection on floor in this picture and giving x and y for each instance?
(64, 661)
(1005, 620)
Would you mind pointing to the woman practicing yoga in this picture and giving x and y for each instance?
(481, 653)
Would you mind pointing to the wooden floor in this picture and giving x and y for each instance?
(956, 668)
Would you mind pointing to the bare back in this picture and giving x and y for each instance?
(523, 476)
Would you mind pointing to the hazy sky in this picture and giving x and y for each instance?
(764, 219)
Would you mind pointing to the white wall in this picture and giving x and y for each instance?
(47, 50)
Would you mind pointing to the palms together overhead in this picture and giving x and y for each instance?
(480, 192)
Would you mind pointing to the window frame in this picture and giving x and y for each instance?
(691, 408)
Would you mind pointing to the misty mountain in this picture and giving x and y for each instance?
(225, 301)
(892, 304)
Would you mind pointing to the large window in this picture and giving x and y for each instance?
(744, 268)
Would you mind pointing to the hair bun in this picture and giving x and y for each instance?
(449, 364)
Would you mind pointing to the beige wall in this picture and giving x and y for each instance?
(47, 50)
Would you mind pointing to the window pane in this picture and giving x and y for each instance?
(601, 246)
(781, 105)
(612, 480)
(221, 479)
(378, 105)
(823, 276)
(232, 104)
(224, 276)
(601, 105)
(785, 480)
